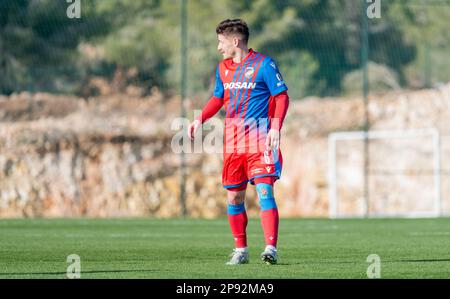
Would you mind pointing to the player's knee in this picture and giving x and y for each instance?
(236, 209)
(235, 198)
(266, 197)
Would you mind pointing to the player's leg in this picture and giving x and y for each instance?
(264, 169)
(269, 217)
(234, 179)
(237, 218)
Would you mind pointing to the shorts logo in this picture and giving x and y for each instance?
(257, 170)
(268, 168)
(249, 72)
(226, 73)
(272, 64)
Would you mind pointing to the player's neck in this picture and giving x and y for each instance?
(240, 54)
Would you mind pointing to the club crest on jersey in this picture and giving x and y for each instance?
(249, 72)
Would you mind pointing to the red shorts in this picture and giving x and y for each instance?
(240, 168)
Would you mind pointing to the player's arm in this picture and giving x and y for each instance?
(278, 90)
(281, 101)
(211, 108)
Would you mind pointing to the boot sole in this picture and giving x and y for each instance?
(268, 259)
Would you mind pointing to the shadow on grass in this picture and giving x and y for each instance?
(356, 262)
(424, 260)
(282, 264)
(82, 272)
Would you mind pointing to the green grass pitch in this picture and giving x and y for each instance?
(191, 248)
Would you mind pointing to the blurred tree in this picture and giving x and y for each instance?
(315, 42)
(425, 24)
(38, 43)
(330, 32)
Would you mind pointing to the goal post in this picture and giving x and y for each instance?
(333, 179)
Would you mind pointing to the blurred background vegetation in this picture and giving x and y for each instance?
(317, 44)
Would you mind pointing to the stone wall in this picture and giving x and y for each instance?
(111, 157)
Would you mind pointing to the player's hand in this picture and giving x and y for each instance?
(193, 127)
(273, 139)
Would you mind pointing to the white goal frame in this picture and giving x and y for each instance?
(333, 138)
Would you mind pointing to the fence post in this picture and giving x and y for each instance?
(183, 64)
(365, 87)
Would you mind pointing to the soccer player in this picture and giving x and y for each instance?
(251, 88)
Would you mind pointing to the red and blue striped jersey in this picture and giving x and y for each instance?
(248, 88)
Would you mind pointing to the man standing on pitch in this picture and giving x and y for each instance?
(251, 88)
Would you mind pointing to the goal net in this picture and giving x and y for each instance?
(403, 174)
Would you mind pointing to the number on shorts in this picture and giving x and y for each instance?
(266, 157)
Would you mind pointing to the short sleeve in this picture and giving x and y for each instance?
(218, 89)
(273, 78)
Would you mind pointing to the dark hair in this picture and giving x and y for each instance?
(236, 26)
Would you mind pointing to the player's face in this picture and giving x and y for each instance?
(227, 45)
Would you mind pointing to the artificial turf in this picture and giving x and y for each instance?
(193, 248)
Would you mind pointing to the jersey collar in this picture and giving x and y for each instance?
(232, 65)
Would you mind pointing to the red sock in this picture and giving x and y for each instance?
(238, 224)
(269, 210)
(269, 222)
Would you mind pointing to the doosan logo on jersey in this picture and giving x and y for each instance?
(240, 85)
